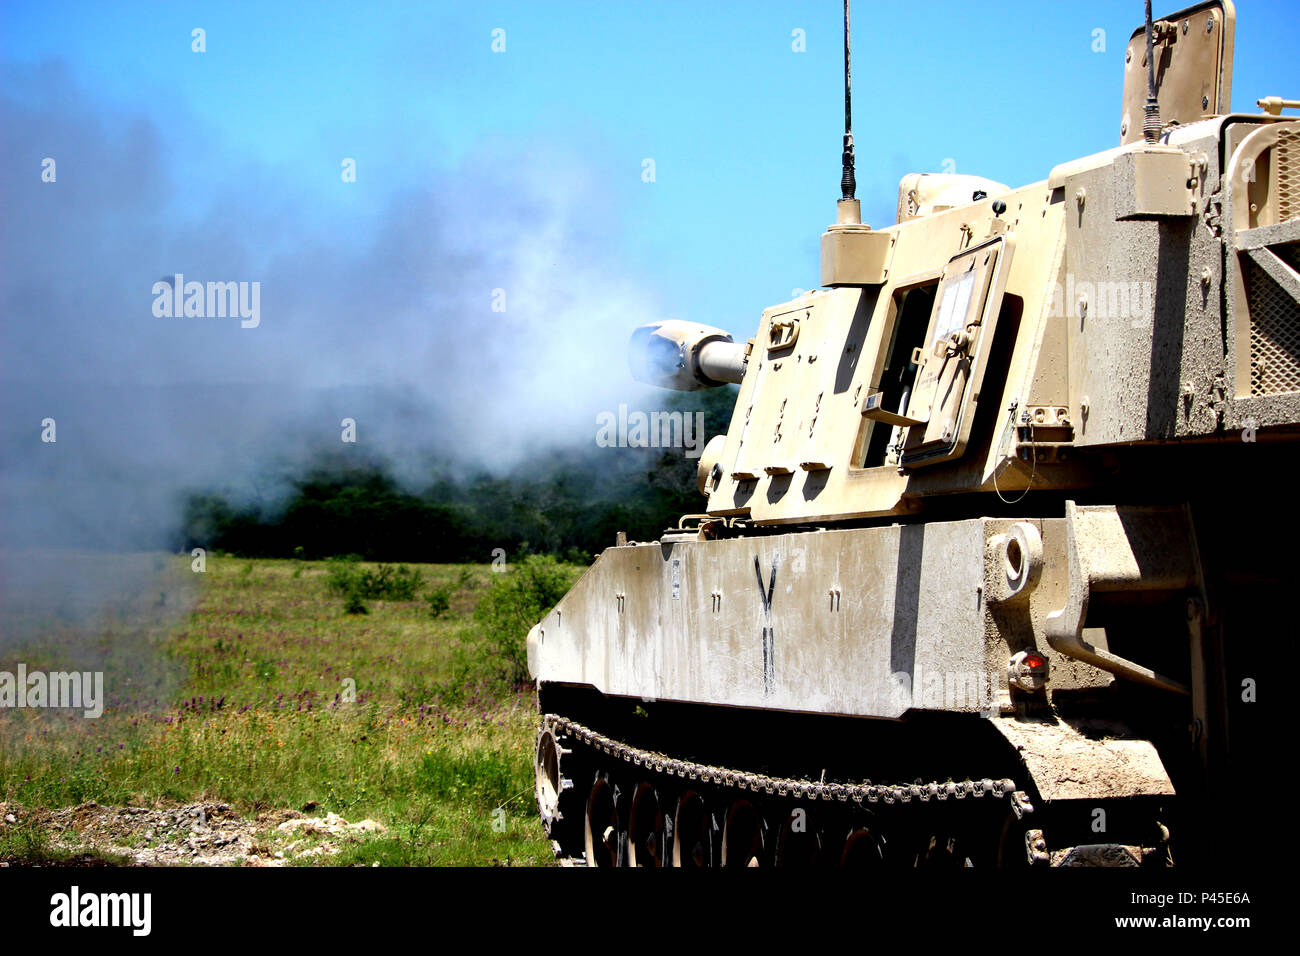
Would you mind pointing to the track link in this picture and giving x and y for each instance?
(613, 804)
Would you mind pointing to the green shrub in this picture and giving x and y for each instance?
(439, 600)
(577, 556)
(517, 600)
(391, 583)
(352, 582)
(344, 576)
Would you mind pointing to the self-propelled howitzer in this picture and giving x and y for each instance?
(996, 538)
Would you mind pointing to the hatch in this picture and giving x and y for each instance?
(951, 361)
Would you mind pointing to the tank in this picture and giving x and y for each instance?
(996, 546)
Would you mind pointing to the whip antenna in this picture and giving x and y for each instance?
(1151, 112)
(848, 185)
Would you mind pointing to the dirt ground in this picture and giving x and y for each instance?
(196, 834)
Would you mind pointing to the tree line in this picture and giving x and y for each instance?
(571, 504)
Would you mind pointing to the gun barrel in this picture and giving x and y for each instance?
(722, 361)
(685, 356)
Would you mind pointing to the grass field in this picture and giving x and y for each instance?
(265, 694)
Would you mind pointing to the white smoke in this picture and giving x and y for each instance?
(391, 325)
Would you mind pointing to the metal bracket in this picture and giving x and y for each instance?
(1142, 549)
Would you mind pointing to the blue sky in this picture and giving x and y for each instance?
(476, 171)
(744, 132)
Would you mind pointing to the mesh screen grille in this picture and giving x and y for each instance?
(1286, 153)
(1274, 328)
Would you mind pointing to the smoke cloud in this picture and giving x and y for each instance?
(476, 315)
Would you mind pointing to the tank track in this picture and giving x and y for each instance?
(592, 813)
